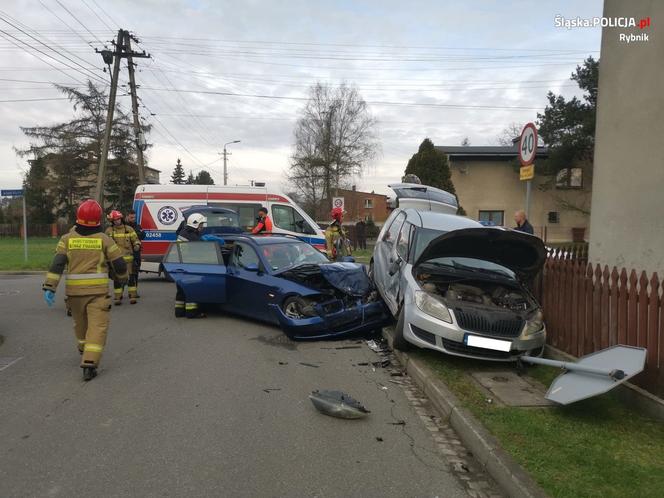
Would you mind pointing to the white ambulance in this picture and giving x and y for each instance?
(159, 212)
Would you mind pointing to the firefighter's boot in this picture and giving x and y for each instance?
(89, 373)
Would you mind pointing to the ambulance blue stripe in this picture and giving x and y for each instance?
(159, 236)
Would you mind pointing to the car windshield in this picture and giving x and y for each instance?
(424, 236)
(286, 255)
(472, 264)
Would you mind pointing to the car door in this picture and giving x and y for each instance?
(394, 275)
(249, 283)
(384, 258)
(197, 268)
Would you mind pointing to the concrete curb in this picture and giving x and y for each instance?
(509, 475)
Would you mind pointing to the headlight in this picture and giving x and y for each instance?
(432, 306)
(535, 324)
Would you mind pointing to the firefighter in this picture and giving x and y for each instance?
(127, 240)
(336, 240)
(86, 252)
(192, 232)
(263, 222)
(131, 221)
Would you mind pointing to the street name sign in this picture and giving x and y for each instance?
(16, 192)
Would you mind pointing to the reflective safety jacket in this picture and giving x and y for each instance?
(263, 225)
(126, 239)
(336, 242)
(86, 255)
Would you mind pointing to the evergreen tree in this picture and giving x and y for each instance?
(204, 178)
(178, 176)
(432, 168)
(37, 196)
(191, 180)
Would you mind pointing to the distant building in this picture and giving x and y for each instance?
(627, 221)
(486, 179)
(366, 205)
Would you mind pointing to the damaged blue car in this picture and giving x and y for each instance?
(280, 280)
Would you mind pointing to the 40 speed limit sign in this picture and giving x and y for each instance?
(528, 144)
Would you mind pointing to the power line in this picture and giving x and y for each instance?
(106, 13)
(97, 15)
(33, 100)
(77, 20)
(406, 104)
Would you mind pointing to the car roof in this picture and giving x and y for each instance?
(262, 240)
(439, 221)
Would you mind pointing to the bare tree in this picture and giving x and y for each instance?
(334, 140)
(507, 136)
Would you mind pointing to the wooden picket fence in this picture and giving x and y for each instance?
(589, 308)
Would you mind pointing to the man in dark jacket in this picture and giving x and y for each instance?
(522, 224)
(360, 234)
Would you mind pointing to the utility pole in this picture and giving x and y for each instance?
(122, 50)
(134, 104)
(227, 154)
(101, 173)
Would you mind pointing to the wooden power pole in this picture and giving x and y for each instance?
(122, 50)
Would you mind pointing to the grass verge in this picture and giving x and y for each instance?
(40, 253)
(594, 448)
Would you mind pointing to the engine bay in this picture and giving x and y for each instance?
(487, 294)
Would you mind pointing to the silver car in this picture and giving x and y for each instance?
(458, 287)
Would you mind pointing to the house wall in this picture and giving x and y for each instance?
(627, 222)
(495, 185)
(354, 204)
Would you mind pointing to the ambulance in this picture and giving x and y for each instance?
(159, 212)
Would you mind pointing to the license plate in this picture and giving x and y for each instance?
(487, 343)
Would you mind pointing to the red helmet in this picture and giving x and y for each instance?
(88, 214)
(337, 214)
(114, 215)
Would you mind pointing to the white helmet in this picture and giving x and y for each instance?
(196, 220)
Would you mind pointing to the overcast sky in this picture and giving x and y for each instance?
(494, 61)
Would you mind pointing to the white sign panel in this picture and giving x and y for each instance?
(337, 202)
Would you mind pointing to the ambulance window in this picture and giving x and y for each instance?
(173, 256)
(287, 218)
(199, 253)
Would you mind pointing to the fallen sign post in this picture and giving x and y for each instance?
(593, 374)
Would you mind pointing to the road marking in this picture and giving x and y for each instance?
(8, 361)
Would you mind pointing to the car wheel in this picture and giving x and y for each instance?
(400, 341)
(293, 307)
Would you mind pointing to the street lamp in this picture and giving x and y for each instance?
(225, 154)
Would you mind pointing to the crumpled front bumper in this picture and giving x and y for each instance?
(360, 317)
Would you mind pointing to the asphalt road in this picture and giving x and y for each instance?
(212, 407)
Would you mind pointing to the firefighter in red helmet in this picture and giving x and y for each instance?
(127, 240)
(336, 239)
(86, 253)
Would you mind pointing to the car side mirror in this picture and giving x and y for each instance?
(252, 267)
(394, 266)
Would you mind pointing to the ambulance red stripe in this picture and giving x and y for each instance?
(210, 196)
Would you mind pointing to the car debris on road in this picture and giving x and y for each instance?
(337, 404)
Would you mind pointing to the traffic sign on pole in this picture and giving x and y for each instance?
(528, 144)
(18, 192)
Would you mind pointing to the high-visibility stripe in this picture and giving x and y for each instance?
(191, 306)
(128, 258)
(93, 348)
(89, 281)
(84, 276)
(132, 289)
(114, 247)
(179, 305)
(53, 276)
(121, 235)
(81, 341)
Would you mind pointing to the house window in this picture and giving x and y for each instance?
(368, 203)
(569, 178)
(368, 217)
(554, 217)
(492, 218)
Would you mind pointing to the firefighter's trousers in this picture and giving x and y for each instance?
(91, 318)
(184, 307)
(132, 287)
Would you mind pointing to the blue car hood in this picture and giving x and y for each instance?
(350, 278)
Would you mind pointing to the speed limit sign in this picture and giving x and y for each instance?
(528, 144)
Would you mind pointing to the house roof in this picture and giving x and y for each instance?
(500, 152)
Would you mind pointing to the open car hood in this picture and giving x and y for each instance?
(522, 253)
(350, 278)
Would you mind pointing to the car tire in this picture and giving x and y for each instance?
(293, 306)
(399, 342)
